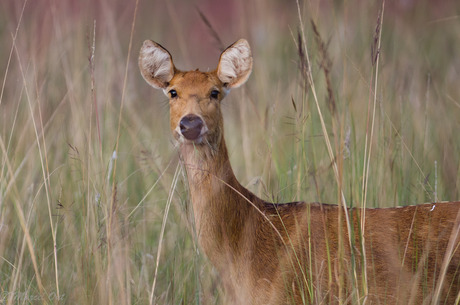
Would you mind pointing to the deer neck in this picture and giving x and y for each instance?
(218, 199)
(204, 163)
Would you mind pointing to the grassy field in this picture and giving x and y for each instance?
(88, 166)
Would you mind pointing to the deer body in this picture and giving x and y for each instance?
(296, 253)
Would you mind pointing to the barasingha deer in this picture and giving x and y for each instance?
(296, 253)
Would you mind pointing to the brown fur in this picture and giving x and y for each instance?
(300, 252)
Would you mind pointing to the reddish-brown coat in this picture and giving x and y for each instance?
(298, 252)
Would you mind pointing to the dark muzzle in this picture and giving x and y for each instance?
(191, 127)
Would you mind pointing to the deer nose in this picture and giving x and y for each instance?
(191, 127)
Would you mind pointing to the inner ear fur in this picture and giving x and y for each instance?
(156, 64)
(235, 64)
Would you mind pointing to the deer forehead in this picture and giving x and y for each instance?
(195, 83)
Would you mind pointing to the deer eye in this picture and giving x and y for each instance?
(173, 93)
(214, 94)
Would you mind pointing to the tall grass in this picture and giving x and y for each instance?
(87, 161)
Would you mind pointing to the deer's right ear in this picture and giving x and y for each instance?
(235, 64)
(156, 64)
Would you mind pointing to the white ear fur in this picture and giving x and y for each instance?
(235, 64)
(156, 64)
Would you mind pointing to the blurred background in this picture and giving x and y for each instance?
(87, 162)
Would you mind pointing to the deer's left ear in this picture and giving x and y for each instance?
(156, 64)
(235, 64)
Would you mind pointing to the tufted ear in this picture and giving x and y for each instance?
(156, 64)
(235, 64)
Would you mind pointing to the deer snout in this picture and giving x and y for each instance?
(192, 127)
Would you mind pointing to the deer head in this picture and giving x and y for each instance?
(195, 96)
